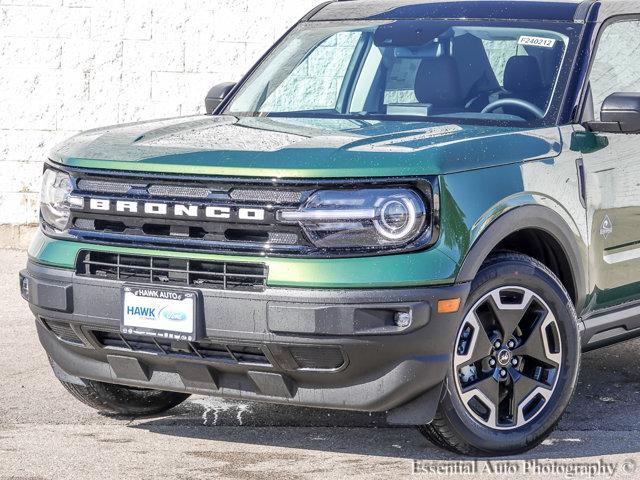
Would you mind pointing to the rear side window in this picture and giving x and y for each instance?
(616, 67)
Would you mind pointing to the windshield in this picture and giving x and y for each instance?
(481, 72)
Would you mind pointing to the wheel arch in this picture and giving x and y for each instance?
(537, 231)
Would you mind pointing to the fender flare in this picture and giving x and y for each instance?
(524, 217)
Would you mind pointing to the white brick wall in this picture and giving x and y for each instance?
(71, 65)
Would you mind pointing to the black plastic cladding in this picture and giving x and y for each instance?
(427, 186)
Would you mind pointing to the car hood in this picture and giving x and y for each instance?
(303, 148)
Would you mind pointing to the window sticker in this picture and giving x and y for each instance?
(529, 41)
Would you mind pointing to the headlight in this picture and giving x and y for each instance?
(56, 199)
(372, 218)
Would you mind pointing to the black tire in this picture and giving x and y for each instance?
(121, 400)
(454, 427)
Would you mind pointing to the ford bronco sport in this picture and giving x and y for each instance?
(428, 209)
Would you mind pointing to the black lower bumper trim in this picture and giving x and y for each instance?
(334, 349)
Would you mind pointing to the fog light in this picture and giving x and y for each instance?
(402, 319)
(24, 287)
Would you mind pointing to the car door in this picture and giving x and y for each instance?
(612, 172)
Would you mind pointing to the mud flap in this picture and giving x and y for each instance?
(419, 411)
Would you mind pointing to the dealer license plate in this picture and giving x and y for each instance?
(159, 312)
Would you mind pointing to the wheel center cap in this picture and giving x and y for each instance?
(504, 357)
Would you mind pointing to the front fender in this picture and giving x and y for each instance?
(481, 208)
(523, 217)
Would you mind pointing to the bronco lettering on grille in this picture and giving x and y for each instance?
(179, 210)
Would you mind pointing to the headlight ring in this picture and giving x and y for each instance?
(396, 219)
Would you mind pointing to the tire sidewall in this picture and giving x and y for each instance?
(527, 273)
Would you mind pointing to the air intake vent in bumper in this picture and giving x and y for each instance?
(63, 331)
(243, 354)
(172, 271)
(317, 358)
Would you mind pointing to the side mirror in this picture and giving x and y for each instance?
(216, 95)
(620, 113)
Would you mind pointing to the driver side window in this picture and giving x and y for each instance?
(616, 67)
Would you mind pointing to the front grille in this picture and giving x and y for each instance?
(219, 352)
(213, 214)
(101, 186)
(178, 191)
(172, 271)
(63, 331)
(271, 196)
(186, 230)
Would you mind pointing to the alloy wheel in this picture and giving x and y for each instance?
(508, 357)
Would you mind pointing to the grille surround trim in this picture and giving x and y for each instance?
(426, 185)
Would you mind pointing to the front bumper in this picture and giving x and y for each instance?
(322, 348)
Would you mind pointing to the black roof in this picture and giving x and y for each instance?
(563, 10)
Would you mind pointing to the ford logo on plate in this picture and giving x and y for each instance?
(173, 315)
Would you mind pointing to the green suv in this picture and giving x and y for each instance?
(420, 208)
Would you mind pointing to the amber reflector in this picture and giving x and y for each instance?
(449, 306)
